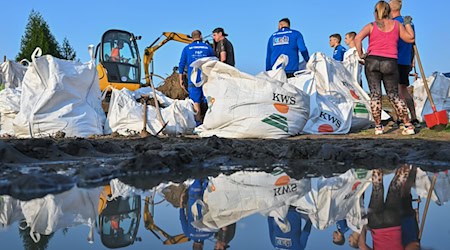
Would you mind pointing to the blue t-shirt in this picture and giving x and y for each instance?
(338, 53)
(404, 48)
(288, 42)
(195, 193)
(192, 52)
(296, 238)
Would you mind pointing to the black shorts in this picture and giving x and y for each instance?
(403, 71)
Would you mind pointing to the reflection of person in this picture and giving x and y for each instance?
(223, 47)
(224, 236)
(339, 50)
(381, 62)
(339, 233)
(191, 210)
(405, 58)
(384, 218)
(115, 52)
(410, 228)
(196, 50)
(288, 42)
(292, 236)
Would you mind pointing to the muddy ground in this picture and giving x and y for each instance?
(56, 164)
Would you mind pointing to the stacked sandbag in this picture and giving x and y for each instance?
(9, 107)
(11, 74)
(59, 96)
(241, 105)
(337, 103)
(440, 91)
(126, 114)
(11, 77)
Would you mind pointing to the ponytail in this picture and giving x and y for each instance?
(382, 10)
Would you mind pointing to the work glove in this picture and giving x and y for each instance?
(407, 20)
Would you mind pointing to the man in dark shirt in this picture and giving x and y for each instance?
(223, 47)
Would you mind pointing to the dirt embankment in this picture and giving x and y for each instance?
(92, 161)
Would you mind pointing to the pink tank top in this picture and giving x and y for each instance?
(387, 238)
(384, 43)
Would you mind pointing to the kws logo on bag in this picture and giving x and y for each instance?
(284, 98)
(284, 186)
(328, 117)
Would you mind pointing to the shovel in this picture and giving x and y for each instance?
(427, 204)
(438, 119)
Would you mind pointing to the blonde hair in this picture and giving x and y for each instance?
(396, 4)
(382, 10)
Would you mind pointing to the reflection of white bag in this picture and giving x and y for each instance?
(126, 115)
(440, 90)
(245, 106)
(59, 95)
(10, 211)
(231, 198)
(336, 197)
(337, 103)
(441, 192)
(53, 212)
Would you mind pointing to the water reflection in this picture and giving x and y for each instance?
(212, 211)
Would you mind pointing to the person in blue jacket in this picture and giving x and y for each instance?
(296, 238)
(405, 63)
(194, 192)
(339, 234)
(339, 50)
(288, 42)
(196, 50)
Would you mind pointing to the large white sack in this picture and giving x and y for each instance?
(59, 95)
(241, 105)
(126, 115)
(440, 91)
(231, 198)
(337, 103)
(12, 74)
(352, 63)
(336, 198)
(441, 191)
(53, 212)
(9, 107)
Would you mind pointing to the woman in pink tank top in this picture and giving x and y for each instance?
(381, 63)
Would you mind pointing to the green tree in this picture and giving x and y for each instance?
(67, 52)
(37, 34)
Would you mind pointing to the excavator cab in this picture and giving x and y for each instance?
(119, 63)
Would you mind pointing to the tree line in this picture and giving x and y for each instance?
(38, 34)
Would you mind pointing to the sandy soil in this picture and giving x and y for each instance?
(37, 164)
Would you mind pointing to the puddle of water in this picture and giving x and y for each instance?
(72, 219)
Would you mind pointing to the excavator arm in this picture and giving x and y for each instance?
(150, 50)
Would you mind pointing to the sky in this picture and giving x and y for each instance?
(248, 23)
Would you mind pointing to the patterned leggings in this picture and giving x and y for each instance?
(384, 214)
(384, 69)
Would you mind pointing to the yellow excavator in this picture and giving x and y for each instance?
(118, 60)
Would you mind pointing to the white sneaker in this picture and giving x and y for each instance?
(408, 130)
(379, 130)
